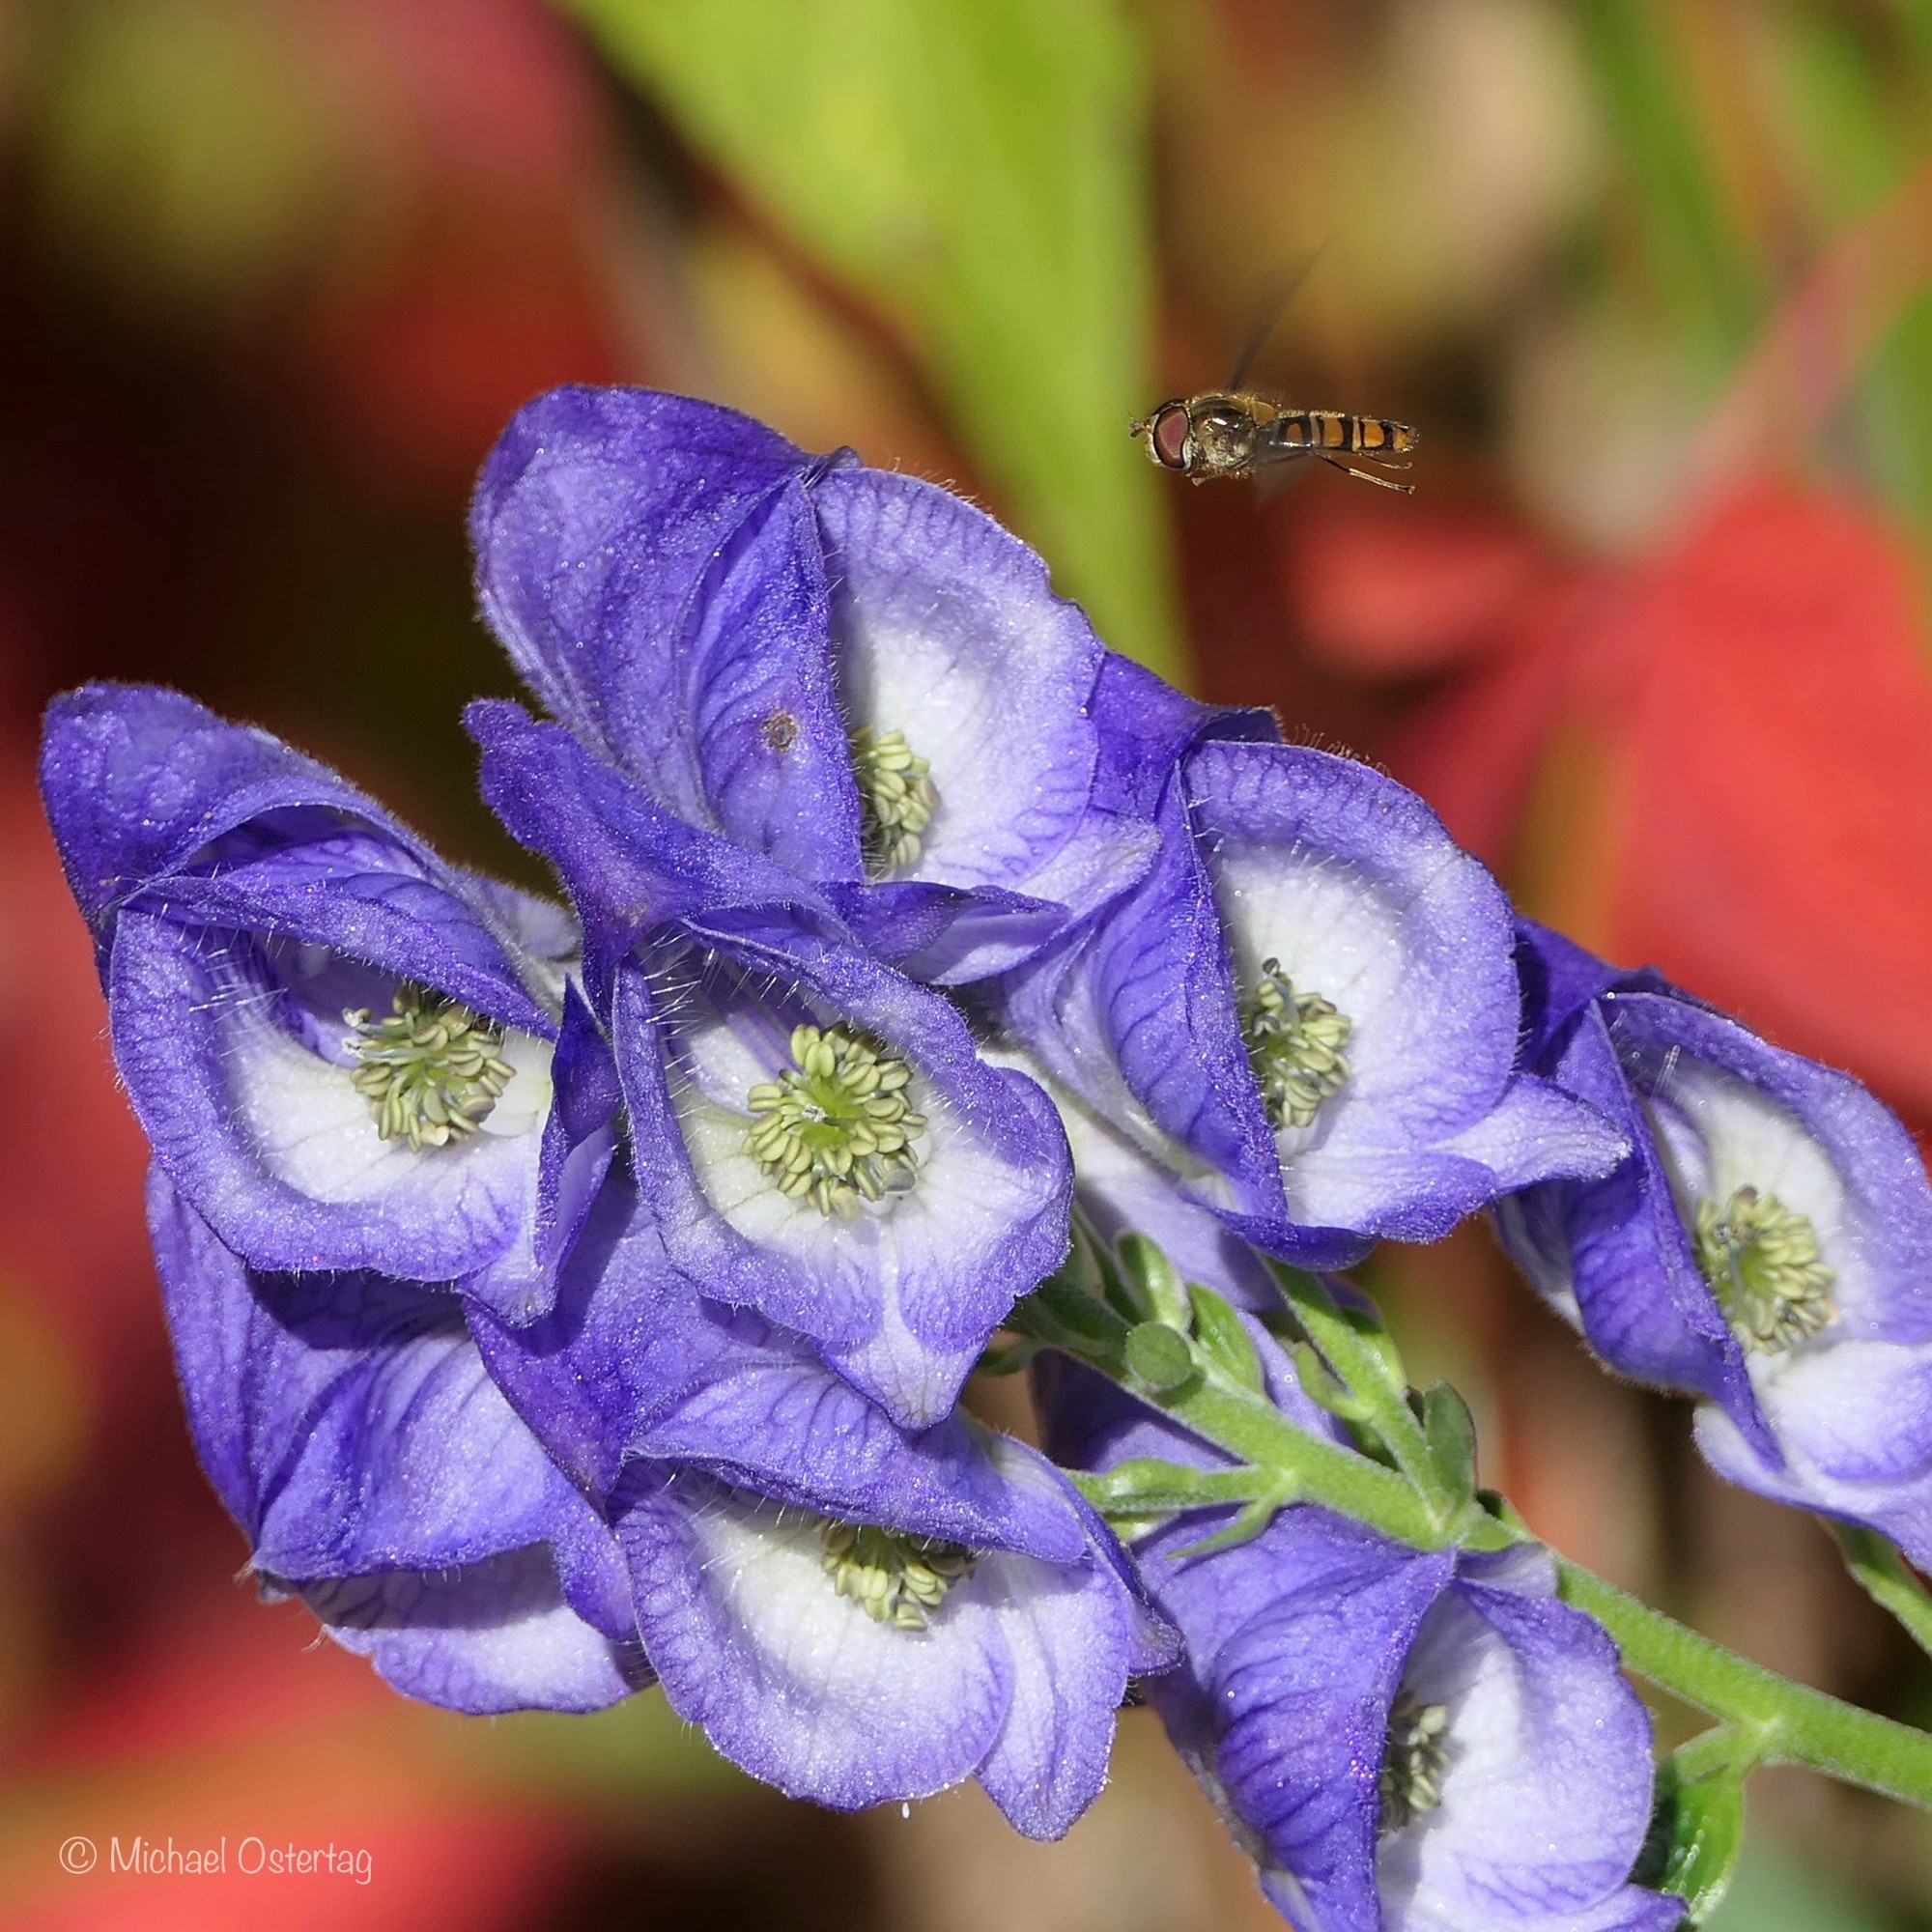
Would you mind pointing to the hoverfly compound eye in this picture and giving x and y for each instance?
(1170, 435)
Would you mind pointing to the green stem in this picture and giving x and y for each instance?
(1788, 1723)
(1253, 1429)
(1367, 1367)
(1221, 1411)
(1767, 1718)
(1884, 1575)
(1724, 1750)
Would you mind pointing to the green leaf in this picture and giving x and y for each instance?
(1698, 1827)
(1707, 278)
(1159, 1359)
(1090, 1267)
(1321, 1386)
(1154, 1283)
(1249, 1521)
(1380, 1345)
(1224, 1341)
(1890, 1582)
(1060, 1313)
(1145, 1492)
(975, 170)
(1452, 1440)
(1352, 1340)
(1365, 1361)
(1149, 1485)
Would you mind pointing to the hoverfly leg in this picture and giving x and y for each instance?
(1368, 476)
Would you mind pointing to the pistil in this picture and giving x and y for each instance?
(836, 1127)
(1295, 1043)
(1761, 1258)
(429, 1068)
(1415, 1752)
(896, 798)
(899, 1578)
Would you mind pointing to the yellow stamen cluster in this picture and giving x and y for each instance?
(836, 1127)
(430, 1068)
(899, 1579)
(897, 797)
(1761, 1260)
(1295, 1043)
(1415, 1753)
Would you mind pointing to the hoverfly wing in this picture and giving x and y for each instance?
(1267, 317)
(1275, 475)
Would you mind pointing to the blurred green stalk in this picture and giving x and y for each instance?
(977, 171)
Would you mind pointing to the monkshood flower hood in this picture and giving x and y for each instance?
(1302, 1019)
(343, 1050)
(1403, 1741)
(848, 671)
(1764, 1246)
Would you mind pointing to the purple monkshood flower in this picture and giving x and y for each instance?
(506, 1515)
(849, 671)
(1763, 1247)
(348, 1423)
(854, 1611)
(1303, 1019)
(816, 1134)
(1403, 1741)
(343, 1050)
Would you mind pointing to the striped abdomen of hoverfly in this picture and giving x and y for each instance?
(1326, 430)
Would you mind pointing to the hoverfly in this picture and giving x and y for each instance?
(1240, 432)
